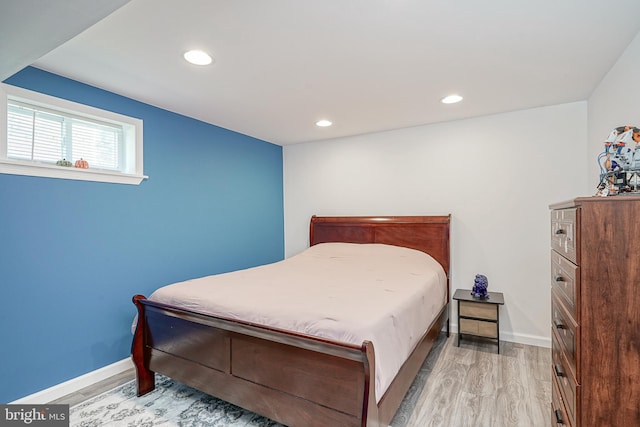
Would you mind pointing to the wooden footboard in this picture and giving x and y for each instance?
(294, 379)
(291, 378)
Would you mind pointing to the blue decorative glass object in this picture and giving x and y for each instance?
(480, 286)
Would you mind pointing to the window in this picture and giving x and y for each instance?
(45, 136)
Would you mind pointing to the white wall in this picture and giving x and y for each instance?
(615, 102)
(496, 175)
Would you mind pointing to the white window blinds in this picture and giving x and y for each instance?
(41, 135)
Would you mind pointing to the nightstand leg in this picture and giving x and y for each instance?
(458, 324)
(498, 326)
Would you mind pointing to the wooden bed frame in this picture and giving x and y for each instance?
(292, 378)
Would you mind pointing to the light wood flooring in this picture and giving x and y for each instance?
(469, 386)
(473, 386)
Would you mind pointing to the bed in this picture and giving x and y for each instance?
(293, 377)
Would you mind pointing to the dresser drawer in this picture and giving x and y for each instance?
(565, 282)
(568, 386)
(564, 233)
(568, 332)
(559, 417)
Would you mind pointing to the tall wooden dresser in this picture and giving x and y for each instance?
(595, 310)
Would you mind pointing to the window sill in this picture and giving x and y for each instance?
(61, 172)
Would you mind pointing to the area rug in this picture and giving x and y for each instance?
(175, 404)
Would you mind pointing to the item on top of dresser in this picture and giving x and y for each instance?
(480, 286)
(620, 162)
(64, 162)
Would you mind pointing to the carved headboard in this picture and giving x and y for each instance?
(428, 234)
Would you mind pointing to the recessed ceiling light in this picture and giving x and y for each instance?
(323, 123)
(198, 57)
(451, 99)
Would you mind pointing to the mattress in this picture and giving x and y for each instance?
(346, 292)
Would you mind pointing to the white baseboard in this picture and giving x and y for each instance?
(535, 340)
(75, 384)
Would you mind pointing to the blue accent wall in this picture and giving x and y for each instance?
(73, 253)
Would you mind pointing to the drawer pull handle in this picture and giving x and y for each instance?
(559, 231)
(559, 417)
(558, 325)
(559, 279)
(558, 371)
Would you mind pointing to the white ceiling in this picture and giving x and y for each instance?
(367, 65)
(31, 28)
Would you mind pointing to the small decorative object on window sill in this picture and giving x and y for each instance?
(64, 162)
(480, 287)
(82, 164)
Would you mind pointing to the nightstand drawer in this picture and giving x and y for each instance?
(478, 310)
(565, 282)
(479, 327)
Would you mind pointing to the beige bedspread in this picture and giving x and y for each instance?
(342, 291)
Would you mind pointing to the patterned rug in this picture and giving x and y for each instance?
(175, 404)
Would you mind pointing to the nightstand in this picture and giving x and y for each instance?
(479, 317)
